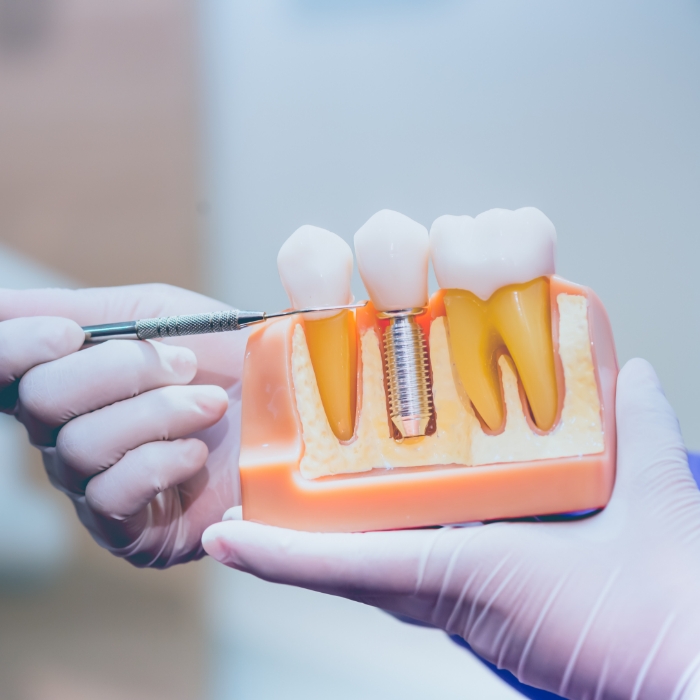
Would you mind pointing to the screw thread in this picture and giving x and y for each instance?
(407, 372)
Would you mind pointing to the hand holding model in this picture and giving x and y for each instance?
(144, 436)
(131, 431)
(602, 607)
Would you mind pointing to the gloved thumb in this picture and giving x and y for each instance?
(652, 464)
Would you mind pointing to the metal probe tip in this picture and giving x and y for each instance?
(316, 309)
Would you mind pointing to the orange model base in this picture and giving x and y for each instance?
(274, 492)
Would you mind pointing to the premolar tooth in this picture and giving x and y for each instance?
(316, 267)
(494, 269)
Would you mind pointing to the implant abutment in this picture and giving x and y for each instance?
(407, 371)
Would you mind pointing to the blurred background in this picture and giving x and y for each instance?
(182, 142)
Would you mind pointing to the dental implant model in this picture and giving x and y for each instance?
(392, 255)
(492, 399)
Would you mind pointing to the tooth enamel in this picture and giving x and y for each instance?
(316, 267)
(497, 248)
(392, 256)
(494, 269)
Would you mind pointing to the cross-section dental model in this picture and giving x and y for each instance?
(493, 399)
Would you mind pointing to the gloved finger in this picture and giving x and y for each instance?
(652, 463)
(27, 342)
(56, 392)
(94, 442)
(101, 304)
(129, 486)
(133, 302)
(349, 564)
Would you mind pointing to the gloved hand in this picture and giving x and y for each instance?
(602, 607)
(142, 436)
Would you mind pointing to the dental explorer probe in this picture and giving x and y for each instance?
(193, 324)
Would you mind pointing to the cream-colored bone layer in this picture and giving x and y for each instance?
(459, 438)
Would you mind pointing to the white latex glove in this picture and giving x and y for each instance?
(603, 607)
(142, 436)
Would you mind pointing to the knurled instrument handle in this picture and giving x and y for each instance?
(175, 326)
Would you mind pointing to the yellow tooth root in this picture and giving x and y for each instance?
(332, 344)
(475, 343)
(517, 318)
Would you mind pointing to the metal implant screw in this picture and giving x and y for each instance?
(407, 373)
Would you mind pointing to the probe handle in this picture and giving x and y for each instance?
(175, 326)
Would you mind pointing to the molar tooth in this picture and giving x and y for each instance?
(494, 269)
(497, 248)
(316, 267)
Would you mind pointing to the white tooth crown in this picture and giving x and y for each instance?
(497, 248)
(316, 267)
(392, 256)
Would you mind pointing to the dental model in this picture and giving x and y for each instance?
(493, 399)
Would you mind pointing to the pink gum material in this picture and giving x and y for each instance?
(274, 491)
